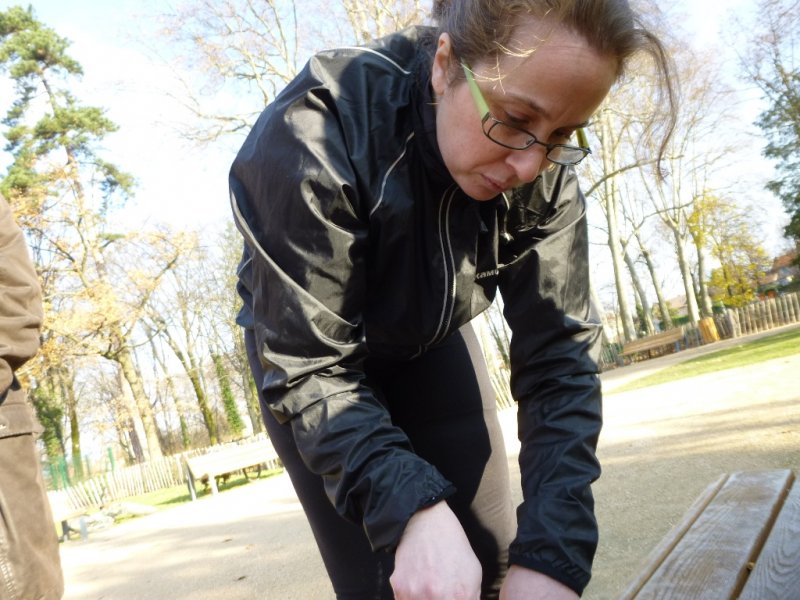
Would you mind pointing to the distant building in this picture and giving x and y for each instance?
(783, 276)
(678, 306)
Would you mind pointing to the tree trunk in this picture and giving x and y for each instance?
(497, 329)
(193, 373)
(170, 383)
(248, 385)
(131, 425)
(666, 318)
(601, 313)
(172, 392)
(647, 313)
(71, 403)
(608, 201)
(629, 331)
(228, 401)
(125, 360)
(686, 275)
(251, 399)
(50, 413)
(704, 297)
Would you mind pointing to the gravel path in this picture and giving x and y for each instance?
(660, 447)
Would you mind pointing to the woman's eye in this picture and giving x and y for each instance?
(511, 118)
(561, 137)
(515, 119)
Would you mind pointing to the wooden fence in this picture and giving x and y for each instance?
(124, 482)
(759, 316)
(756, 317)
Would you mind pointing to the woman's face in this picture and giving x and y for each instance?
(550, 93)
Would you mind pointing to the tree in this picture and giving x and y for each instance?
(57, 181)
(699, 222)
(637, 221)
(228, 400)
(50, 413)
(176, 314)
(371, 19)
(247, 48)
(743, 261)
(773, 64)
(245, 51)
(94, 296)
(695, 151)
(619, 132)
(610, 133)
(226, 302)
(35, 58)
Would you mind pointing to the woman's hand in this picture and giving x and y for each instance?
(524, 584)
(434, 560)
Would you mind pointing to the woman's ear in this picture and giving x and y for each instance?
(440, 72)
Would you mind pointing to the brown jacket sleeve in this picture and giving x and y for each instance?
(20, 300)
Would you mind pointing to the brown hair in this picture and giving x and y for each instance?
(480, 29)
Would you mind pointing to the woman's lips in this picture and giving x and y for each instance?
(494, 184)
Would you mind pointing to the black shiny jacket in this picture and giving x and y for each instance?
(359, 242)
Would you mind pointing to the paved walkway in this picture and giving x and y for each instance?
(660, 446)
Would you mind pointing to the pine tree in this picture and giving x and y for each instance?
(61, 190)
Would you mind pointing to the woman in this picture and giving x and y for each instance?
(384, 197)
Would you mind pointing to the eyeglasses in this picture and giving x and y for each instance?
(515, 138)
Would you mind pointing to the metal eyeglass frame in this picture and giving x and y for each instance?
(486, 114)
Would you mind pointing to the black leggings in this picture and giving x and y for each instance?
(444, 402)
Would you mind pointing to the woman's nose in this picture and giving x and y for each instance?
(527, 164)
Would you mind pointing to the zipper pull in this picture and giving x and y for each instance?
(504, 235)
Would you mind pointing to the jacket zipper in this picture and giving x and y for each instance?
(446, 247)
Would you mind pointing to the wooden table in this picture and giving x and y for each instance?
(227, 458)
(666, 341)
(740, 539)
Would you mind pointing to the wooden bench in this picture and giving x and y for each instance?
(64, 510)
(740, 539)
(225, 459)
(670, 338)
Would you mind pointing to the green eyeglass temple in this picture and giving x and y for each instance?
(483, 107)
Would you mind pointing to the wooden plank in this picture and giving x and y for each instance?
(668, 543)
(795, 300)
(711, 559)
(776, 575)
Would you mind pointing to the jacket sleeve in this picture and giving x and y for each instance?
(555, 335)
(21, 305)
(296, 200)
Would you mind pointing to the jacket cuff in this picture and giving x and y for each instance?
(565, 573)
(558, 538)
(384, 528)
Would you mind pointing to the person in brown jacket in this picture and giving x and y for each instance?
(30, 567)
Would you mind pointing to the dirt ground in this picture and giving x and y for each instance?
(660, 447)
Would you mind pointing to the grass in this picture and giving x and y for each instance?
(745, 354)
(180, 493)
